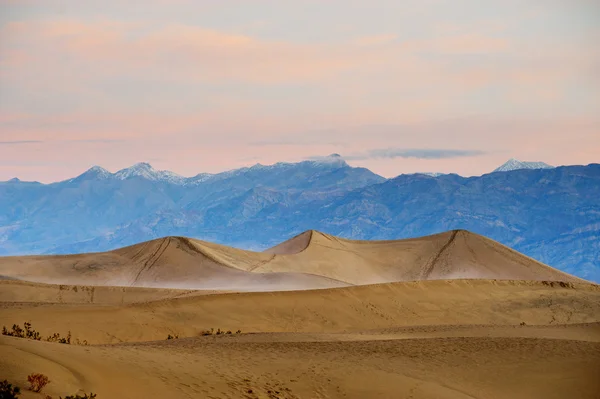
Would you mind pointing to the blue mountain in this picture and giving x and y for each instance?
(550, 214)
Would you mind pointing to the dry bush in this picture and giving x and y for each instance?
(37, 382)
(77, 396)
(16, 331)
(207, 332)
(56, 338)
(31, 333)
(8, 391)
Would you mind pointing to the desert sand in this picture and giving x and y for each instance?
(454, 315)
(309, 260)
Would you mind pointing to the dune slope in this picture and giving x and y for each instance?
(453, 339)
(454, 254)
(310, 260)
(171, 262)
(347, 309)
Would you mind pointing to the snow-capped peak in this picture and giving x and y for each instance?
(99, 172)
(515, 164)
(330, 160)
(95, 172)
(145, 170)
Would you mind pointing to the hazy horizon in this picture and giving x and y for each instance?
(351, 163)
(193, 86)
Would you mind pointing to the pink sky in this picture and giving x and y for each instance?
(198, 87)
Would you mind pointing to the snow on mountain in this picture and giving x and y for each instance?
(199, 178)
(146, 171)
(515, 164)
(93, 173)
(98, 172)
(330, 160)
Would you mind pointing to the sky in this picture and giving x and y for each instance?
(206, 86)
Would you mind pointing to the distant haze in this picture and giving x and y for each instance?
(205, 86)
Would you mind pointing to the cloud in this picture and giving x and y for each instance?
(83, 141)
(94, 141)
(419, 153)
(18, 142)
(299, 142)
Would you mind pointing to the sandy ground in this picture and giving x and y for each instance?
(430, 339)
(515, 329)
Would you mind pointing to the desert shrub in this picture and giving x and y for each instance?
(30, 332)
(16, 331)
(56, 338)
(172, 336)
(207, 332)
(8, 391)
(77, 396)
(218, 332)
(19, 332)
(37, 382)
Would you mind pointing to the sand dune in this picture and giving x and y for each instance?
(454, 302)
(429, 339)
(440, 368)
(310, 260)
(453, 315)
(454, 254)
(171, 262)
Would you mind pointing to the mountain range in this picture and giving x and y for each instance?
(550, 214)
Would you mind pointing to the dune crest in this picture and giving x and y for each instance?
(320, 300)
(309, 260)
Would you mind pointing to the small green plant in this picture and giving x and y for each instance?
(37, 382)
(8, 391)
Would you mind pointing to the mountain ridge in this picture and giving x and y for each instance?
(147, 171)
(551, 215)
